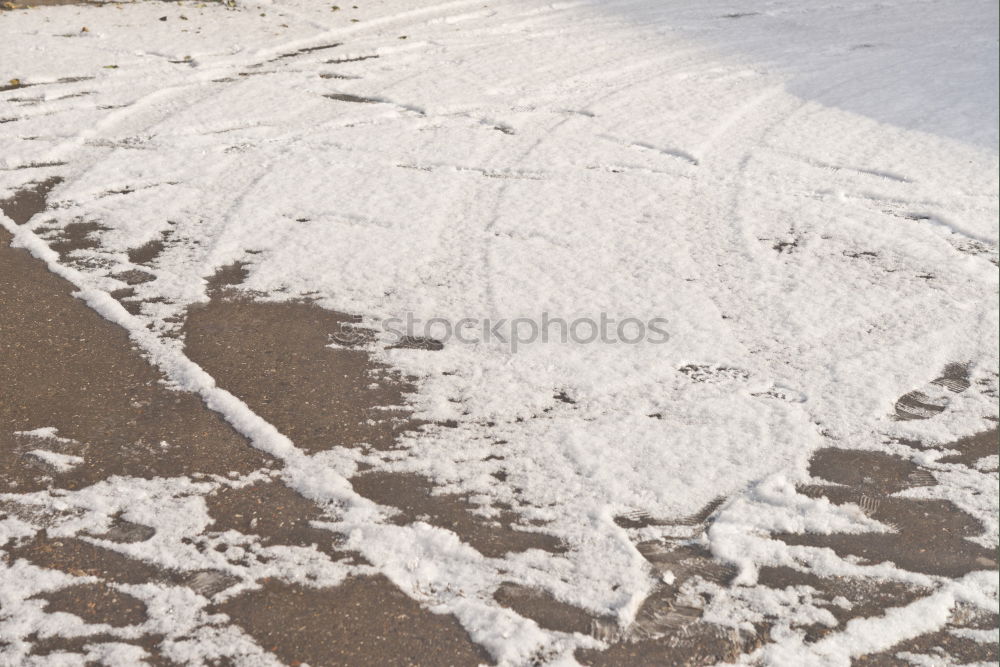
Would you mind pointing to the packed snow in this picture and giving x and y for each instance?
(806, 192)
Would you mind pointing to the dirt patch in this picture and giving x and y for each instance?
(225, 277)
(918, 546)
(75, 390)
(147, 252)
(355, 99)
(23, 205)
(364, 621)
(74, 236)
(134, 277)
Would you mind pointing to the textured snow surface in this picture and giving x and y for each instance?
(805, 191)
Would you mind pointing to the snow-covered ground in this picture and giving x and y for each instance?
(806, 192)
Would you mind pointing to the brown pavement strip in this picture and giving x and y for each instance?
(219, 285)
(912, 550)
(97, 603)
(935, 529)
(275, 357)
(272, 511)
(81, 558)
(543, 608)
(64, 366)
(974, 447)
(364, 621)
(414, 496)
(876, 473)
(928, 536)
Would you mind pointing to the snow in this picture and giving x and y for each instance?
(778, 186)
(60, 462)
(44, 433)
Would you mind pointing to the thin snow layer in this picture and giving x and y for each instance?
(915, 64)
(815, 250)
